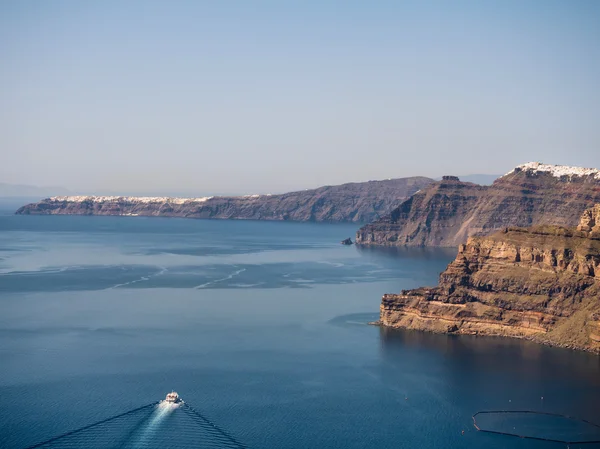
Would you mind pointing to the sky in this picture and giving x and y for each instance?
(261, 96)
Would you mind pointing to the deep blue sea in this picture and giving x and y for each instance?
(262, 326)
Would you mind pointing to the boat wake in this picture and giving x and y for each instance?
(148, 426)
(163, 409)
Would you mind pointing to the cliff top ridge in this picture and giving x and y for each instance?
(558, 171)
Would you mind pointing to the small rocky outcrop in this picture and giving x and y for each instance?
(347, 241)
(590, 221)
(449, 211)
(354, 202)
(540, 283)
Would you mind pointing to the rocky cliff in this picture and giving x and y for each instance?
(354, 202)
(541, 283)
(447, 212)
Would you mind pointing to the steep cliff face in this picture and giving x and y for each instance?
(541, 283)
(590, 221)
(447, 212)
(354, 202)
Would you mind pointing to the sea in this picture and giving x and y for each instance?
(264, 328)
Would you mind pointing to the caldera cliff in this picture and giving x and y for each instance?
(541, 283)
(354, 202)
(447, 212)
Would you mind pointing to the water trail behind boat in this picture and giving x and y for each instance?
(163, 409)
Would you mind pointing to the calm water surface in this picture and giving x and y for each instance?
(262, 326)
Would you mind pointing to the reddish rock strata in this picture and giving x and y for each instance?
(541, 283)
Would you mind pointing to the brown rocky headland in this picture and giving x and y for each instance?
(541, 283)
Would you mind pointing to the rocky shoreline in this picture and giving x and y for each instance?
(540, 283)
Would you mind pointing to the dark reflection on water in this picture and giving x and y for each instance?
(404, 252)
(500, 373)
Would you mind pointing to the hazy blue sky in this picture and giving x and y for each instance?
(258, 96)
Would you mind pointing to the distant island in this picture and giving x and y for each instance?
(541, 283)
(360, 202)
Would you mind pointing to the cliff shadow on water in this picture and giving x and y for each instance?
(408, 252)
(493, 370)
(476, 348)
(473, 373)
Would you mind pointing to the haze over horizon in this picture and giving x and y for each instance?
(265, 96)
(36, 191)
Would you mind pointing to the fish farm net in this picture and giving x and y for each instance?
(148, 427)
(542, 426)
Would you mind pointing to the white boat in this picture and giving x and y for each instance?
(172, 398)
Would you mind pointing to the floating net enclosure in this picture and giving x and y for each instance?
(539, 426)
(151, 426)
